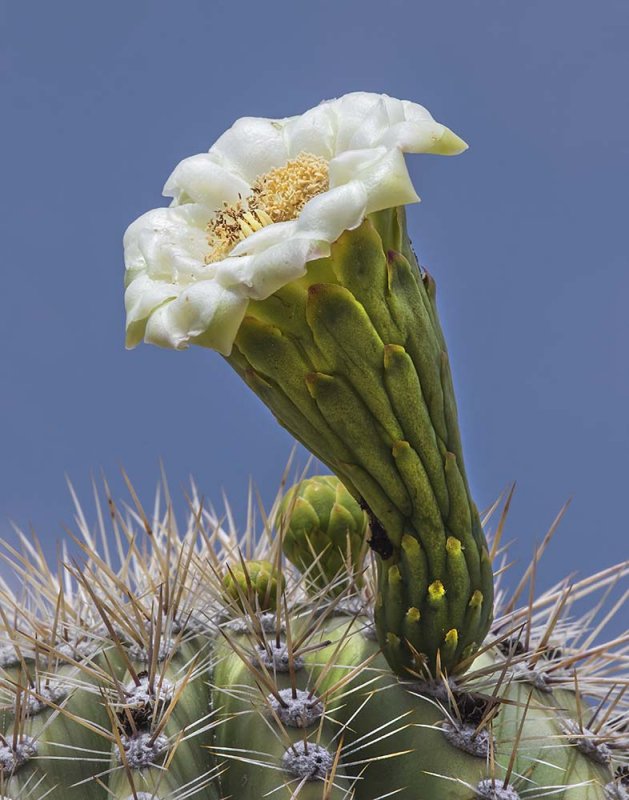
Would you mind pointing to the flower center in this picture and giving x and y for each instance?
(277, 196)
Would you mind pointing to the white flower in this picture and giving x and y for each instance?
(269, 196)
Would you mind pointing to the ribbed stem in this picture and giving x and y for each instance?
(351, 359)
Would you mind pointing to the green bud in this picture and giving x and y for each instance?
(254, 585)
(324, 532)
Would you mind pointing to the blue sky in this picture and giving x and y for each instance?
(526, 235)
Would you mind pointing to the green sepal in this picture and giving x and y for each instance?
(426, 517)
(361, 266)
(409, 311)
(348, 415)
(401, 382)
(459, 520)
(272, 354)
(344, 332)
(457, 582)
(414, 567)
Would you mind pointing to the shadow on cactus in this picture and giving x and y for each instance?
(359, 644)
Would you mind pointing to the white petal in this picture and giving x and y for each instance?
(253, 146)
(201, 180)
(344, 167)
(372, 128)
(413, 112)
(395, 109)
(351, 111)
(141, 298)
(313, 132)
(265, 237)
(423, 137)
(167, 242)
(205, 313)
(327, 215)
(382, 172)
(259, 275)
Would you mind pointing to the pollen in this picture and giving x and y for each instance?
(283, 192)
(277, 196)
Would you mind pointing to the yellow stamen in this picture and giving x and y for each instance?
(277, 196)
(284, 191)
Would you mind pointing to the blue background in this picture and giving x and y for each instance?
(526, 234)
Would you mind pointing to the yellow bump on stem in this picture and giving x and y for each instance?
(413, 614)
(452, 638)
(395, 576)
(277, 196)
(410, 545)
(436, 590)
(453, 546)
(476, 600)
(393, 640)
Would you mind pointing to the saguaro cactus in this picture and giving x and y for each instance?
(137, 677)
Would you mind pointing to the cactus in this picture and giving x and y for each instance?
(168, 663)
(142, 673)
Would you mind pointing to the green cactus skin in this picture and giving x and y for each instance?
(351, 359)
(325, 535)
(145, 681)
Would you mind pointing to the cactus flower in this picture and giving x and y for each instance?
(285, 248)
(269, 196)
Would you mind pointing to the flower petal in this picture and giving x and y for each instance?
(313, 132)
(423, 137)
(142, 296)
(205, 313)
(382, 172)
(252, 146)
(199, 179)
(258, 276)
(350, 112)
(327, 215)
(167, 242)
(265, 237)
(413, 112)
(371, 129)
